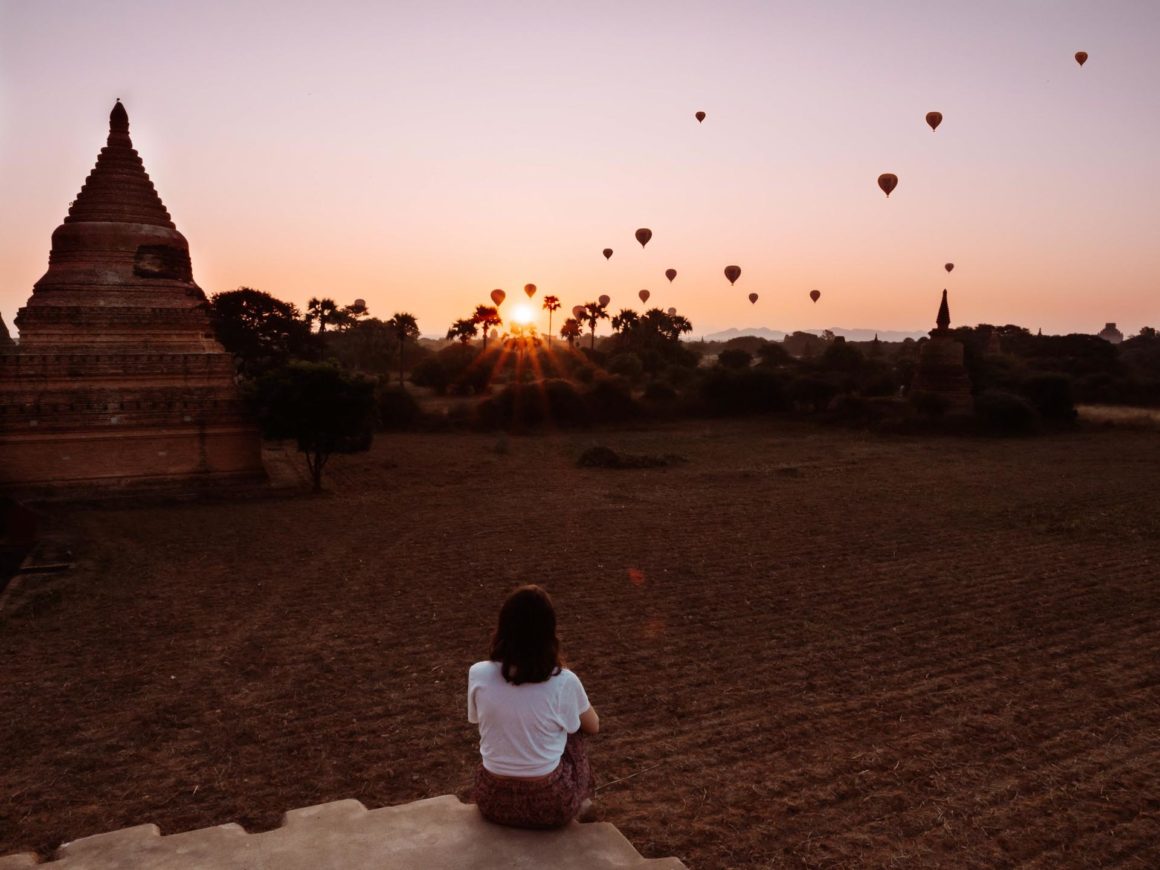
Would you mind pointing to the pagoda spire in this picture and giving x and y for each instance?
(943, 320)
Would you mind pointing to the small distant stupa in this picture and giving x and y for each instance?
(117, 378)
(1110, 333)
(940, 364)
(5, 338)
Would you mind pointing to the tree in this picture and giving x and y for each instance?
(405, 327)
(325, 312)
(551, 304)
(324, 409)
(463, 331)
(487, 316)
(570, 331)
(625, 321)
(593, 311)
(261, 331)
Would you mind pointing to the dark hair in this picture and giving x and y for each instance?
(525, 641)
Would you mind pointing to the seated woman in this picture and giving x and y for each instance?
(531, 711)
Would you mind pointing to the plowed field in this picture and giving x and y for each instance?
(808, 648)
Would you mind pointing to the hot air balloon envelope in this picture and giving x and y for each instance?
(359, 306)
(608, 253)
(672, 311)
(949, 267)
(815, 295)
(577, 310)
(752, 298)
(498, 296)
(1080, 57)
(934, 119)
(732, 273)
(604, 300)
(670, 274)
(700, 116)
(530, 289)
(887, 181)
(643, 294)
(643, 235)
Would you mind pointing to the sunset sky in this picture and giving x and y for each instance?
(420, 154)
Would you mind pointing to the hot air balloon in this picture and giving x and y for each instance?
(1080, 57)
(887, 181)
(815, 295)
(672, 311)
(643, 294)
(670, 274)
(608, 253)
(700, 116)
(732, 273)
(359, 306)
(949, 267)
(577, 311)
(498, 296)
(643, 235)
(530, 289)
(934, 119)
(752, 298)
(604, 300)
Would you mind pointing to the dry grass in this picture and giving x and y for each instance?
(813, 648)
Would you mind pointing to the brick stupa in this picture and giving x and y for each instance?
(940, 364)
(117, 379)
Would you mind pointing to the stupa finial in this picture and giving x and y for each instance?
(118, 123)
(943, 321)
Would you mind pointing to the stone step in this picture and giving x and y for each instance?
(435, 834)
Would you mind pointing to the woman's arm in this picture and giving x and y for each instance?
(589, 721)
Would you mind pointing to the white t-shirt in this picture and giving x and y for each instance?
(523, 729)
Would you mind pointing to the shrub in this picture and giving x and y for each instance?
(734, 358)
(932, 405)
(1051, 394)
(812, 393)
(566, 407)
(1003, 413)
(627, 365)
(397, 408)
(745, 391)
(610, 400)
(431, 373)
(659, 391)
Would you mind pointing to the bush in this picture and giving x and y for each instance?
(566, 407)
(610, 400)
(1002, 413)
(627, 365)
(1051, 394)
(431, 373)
(812, 393)
(397, 408)
(746, 391)
(734, 358)
(932, 405)
(659, 391)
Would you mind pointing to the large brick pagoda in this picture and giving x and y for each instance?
(116, 378)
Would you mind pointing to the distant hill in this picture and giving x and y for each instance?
(848, 334)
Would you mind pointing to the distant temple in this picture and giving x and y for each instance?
(5, 338)
(117, 378)
(940, 364)
(1110, 333)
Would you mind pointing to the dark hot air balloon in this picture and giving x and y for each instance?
(934, 119)
(732, 273)
(752, 298)
(608, 253)
(643, 294)
(670, 274)
(672, 311)
(604, 300)
(530, 289)
(498, 296)
(950, 267)
(815, 295)
(577, 311)
(1081, 57)
(700, 116)
(643, 235)
(887, 181)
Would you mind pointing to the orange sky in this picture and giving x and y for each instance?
(419, 155)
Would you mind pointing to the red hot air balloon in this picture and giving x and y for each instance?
(608, 253)
(577, 311)
(732, 273)
(643, 235)
(700, 116)
(643, 294)
(1081, 57)
(815, 295)
(530, 289)
(670, 274)
(934, 119)
(752, 298)
(604, 300)
(887, 181)
(498, 296)
(950, 267)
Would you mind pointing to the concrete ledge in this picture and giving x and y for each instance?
(434, 834)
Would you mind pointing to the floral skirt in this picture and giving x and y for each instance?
(551, 802)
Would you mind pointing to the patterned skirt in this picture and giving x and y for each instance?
(551, 802)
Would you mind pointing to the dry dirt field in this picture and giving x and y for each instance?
(809, 648)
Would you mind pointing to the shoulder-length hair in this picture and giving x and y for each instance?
(525, 641)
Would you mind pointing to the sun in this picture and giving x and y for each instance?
(522, 315)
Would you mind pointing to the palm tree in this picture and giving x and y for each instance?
(487, 316)
(463, 331)
(594, 311)
(323, 311)
(625, 321)
(570, 331)
(405, 327)
(551, 303)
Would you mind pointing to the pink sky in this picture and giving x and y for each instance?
(419, 155)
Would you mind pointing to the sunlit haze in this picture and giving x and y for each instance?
(419, 155)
